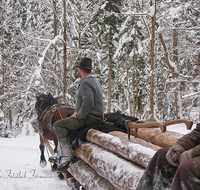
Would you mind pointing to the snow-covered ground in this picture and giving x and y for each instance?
(20, 169)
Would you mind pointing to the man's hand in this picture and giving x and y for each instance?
(74, 116)
(174, 153)
(186, 156)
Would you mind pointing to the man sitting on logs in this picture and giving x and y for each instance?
(178, 167)
(89, 110)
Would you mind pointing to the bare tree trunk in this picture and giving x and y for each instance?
(10, 118)
(152, 63)
(110, 72)
(136, 77)
(2, 62)
(133, 95)
(64, 53)
(175, 59)
(55, 49)
(129, 93)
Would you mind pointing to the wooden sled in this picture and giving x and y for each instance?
(110, 161)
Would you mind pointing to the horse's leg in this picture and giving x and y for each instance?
(55, 139)
(43, 162)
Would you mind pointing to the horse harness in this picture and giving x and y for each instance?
(52, 109)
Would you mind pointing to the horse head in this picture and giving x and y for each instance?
(43, 102)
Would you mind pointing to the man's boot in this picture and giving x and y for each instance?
(66, 154)
(57, 156)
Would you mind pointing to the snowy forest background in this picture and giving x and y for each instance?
(143, 54)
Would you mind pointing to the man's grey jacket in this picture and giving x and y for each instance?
(89, 98)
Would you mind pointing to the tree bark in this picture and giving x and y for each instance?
(136, 76)
(121, 173)
(64, 53)
(175, 59)
(151, 97)
(155, 136)
(2, 62)
(88, 177)
(174, 74)
(110, 72)
(129, 93)
(55, 49)
(129, 150)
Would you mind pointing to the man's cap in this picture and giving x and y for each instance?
(86, 63)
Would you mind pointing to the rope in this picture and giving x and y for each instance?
(49, 156)
(59, 112)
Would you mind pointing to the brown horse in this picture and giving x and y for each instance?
(49, 111)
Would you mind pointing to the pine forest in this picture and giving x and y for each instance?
(143, 52)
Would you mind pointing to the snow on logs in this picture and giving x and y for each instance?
(155, 136)
(158, 137)
(138, 151)
(115, 158)
(122, 174)
(111, 161)
(88, 177)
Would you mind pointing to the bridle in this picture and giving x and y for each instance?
(50, 110)
(43, 112)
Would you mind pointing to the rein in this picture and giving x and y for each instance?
(44, 113)
(52, 109)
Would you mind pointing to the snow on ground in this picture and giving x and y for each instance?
(20, 169)
(180, 128)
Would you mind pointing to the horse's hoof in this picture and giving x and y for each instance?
(43, 163)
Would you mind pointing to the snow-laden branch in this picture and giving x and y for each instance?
(37, 72)
(191, 94)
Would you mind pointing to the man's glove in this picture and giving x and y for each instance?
(186, 156)
(174, 153)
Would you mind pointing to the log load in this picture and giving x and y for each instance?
(137, 151)
(122, 174)
(123, 136)
(148, 131)
(155, 136)
(88, 177)
(111, 161)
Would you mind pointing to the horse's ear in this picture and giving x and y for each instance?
(49, 96)
(37, 97)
